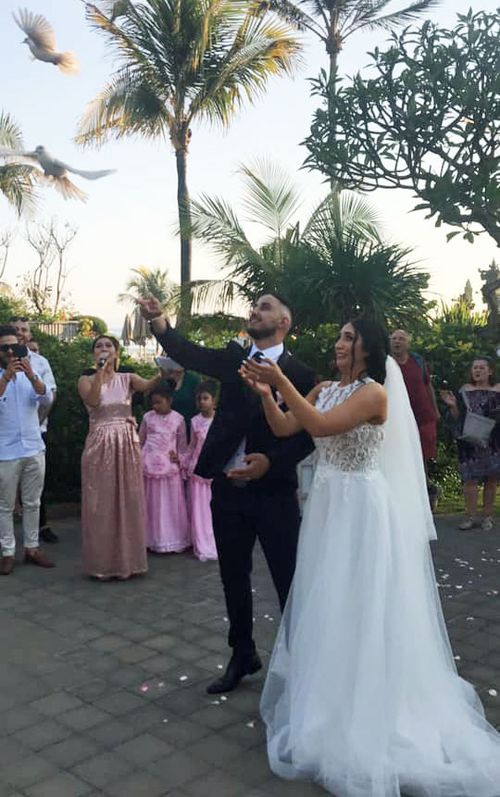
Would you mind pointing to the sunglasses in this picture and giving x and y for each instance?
(16, 348)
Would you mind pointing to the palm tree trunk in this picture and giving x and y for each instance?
(183, 205)
(332, 48)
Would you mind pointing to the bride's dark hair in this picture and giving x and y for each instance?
(376, 345)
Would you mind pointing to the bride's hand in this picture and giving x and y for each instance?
(258, 387)
(264, 371)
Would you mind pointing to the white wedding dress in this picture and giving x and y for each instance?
(362, 694)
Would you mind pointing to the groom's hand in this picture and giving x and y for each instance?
(257, 467)
(152, 309)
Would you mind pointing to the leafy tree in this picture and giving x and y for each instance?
(427, 122)
(10, 306)
(336, 267)
(181, 63)
(16, 180)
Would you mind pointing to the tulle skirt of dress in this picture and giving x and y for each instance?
(199, 494)
(167, 527)
(362, 693)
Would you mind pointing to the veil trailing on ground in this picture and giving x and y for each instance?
(402, 462)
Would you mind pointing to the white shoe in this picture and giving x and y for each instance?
(467, 524)
(487, 524)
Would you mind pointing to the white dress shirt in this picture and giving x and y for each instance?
(272, 353)
(20, 434)
(41, 366)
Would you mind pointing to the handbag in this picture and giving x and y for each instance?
(477, 428)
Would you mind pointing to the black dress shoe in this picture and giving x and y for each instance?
(237, 668)
(47, 535)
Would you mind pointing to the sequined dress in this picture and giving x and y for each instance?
(362, 694)
(113, 515)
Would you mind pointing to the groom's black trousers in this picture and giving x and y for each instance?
(241, 515)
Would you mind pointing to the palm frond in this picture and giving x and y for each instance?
(127, 105)
(366, 15)
(271, 198)
(292, 14)
(342, 216)
(215, 223)
(260, 50)
(17, 181)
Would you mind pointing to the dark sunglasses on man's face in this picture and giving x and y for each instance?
(17, 349)
(18, 318)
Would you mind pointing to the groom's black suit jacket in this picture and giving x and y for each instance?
(239, 413)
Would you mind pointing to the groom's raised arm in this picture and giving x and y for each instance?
(216, 363)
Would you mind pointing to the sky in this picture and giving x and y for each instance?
(130, 217)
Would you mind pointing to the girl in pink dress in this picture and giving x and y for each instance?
(199, 490)
(163, 439)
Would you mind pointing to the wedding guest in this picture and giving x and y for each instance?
(22, 450)
(163, 440)
(113, 512)
(186, 383)
(478, 463)
(41, 365)
(254, 487)
(422, 397)
(199, 490)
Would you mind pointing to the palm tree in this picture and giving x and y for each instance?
(348, 274)
(333, 21)
(337, 267)
(151, 282)
(16, 180)
(182, 62)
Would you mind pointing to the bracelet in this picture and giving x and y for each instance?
(156, 318)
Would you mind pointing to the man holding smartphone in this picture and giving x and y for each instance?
(42, 367)
(22, 450)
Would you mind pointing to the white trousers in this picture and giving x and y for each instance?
(27, 474)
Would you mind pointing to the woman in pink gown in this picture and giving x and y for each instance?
(163, 439)
(199, 490)
(113, 531)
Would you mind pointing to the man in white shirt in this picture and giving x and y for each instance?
(22, 450)
(42, 367)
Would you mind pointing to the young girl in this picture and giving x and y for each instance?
(163, 440)
(199, 489)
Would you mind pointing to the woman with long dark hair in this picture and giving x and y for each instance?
(477, 463)
(362, 693)
(113, 514)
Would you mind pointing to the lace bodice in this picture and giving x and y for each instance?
(355, 451)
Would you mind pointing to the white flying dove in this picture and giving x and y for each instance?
(41, 40)
(54, 171)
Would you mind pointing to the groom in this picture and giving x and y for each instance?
(254, 488)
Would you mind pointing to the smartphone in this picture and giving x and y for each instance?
(20, 351)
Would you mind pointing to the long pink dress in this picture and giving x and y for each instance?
(199, 493)
(167, 527)
(113, 529)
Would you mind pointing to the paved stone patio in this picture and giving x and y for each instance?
(102, 686)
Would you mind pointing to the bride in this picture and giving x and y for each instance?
(362, 694)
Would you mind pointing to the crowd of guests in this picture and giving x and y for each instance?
(478, 451)
(140, 491)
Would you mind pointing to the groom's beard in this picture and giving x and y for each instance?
(261, 332)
